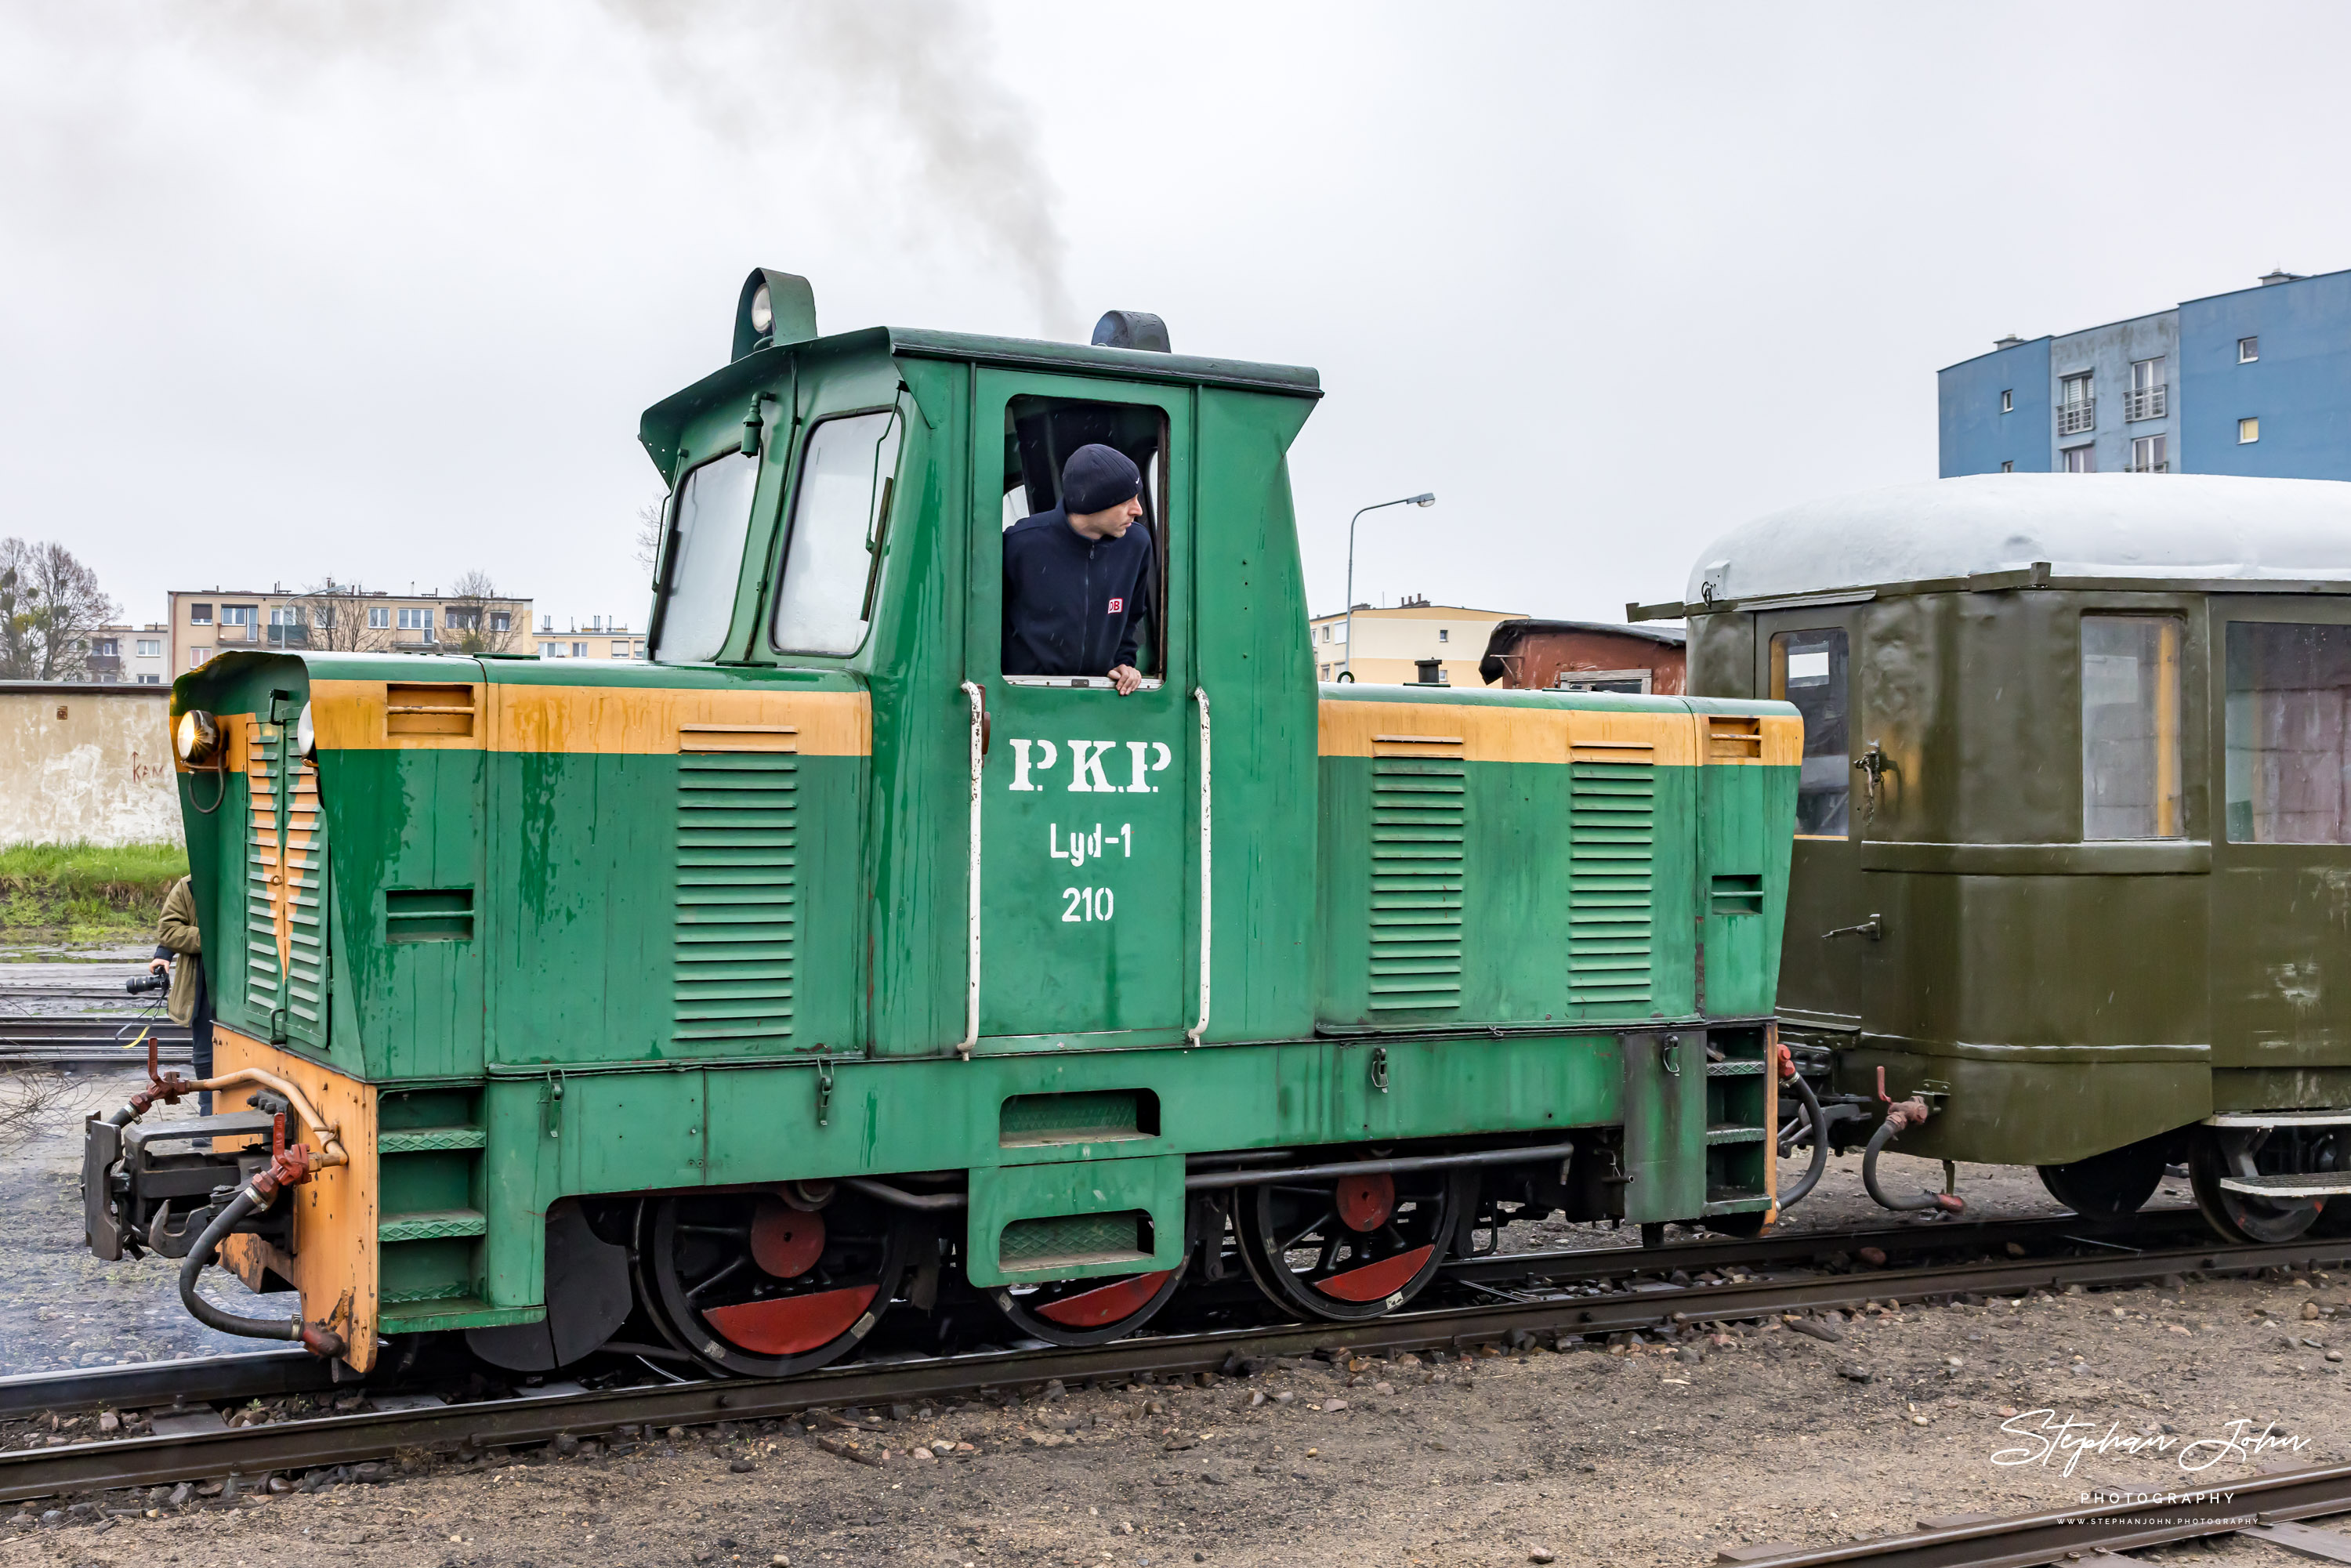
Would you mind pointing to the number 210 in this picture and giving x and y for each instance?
(1097, 903)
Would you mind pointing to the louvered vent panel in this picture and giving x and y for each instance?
(1611, 858)
(732, 968)
(262, 868)
(306, 909)
(1418, 787)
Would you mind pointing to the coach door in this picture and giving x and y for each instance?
(1090, 807)
(1807, 657)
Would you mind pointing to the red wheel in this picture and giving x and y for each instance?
(747, 1285)
(1086, 1312)
(1354, 1248)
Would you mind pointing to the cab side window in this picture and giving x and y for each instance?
(1808, 669)
(839, 531)
(1040, 433)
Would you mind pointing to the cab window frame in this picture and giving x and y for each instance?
(1158, 483)
(666, 564)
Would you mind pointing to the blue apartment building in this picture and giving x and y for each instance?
(2257, 382)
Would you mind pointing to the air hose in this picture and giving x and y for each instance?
(1812, 1176)
(1908, 1114)
(255, 1196)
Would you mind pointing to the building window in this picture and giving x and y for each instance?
(2007, 467)
(2077, 411)
(415, 620)
(578, 650)
(1323, 673)
(1443, 634)
(2148, 392)
(150, 680)
(2080, 459)
(2150, 454)
(200, 614)
(501, 621)
(237, 614)
(637, 649)
(2130, 727)
(197, 656)
(2289, 747)
(379, 618)
(2248, 432)
(550, 650)
(2008, 400)
(2248, 350)
(1808, 669)
(151, 647)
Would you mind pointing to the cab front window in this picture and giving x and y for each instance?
(1808, 669)
(709, 519)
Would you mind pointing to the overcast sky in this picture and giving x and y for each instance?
(382, 298)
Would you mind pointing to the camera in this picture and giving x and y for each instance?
(139, 983)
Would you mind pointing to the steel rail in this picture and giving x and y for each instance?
(263, 1373)
(2254, 1506)
(537, 1417)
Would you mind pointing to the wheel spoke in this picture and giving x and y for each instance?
(696, 1293)
(1307, 1230)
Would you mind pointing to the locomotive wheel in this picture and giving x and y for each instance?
(749, 1285)
(1354, 1247)
(2217, 1151)
(2112, 1184)
(1087, 1311)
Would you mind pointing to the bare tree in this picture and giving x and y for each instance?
(649, 533)
(49, 605)
(480, 620)
(335, 618)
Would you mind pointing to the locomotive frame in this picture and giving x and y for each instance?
(739, 994)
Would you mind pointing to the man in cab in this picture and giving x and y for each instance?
(1078, 578)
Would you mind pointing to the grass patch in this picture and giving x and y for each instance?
(86, 893)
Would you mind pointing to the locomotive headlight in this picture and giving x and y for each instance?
(763, 312)
(197, 737)
(305, 739)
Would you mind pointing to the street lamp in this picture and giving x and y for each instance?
(1425, 498)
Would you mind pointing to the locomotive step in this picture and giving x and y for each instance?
(2309, 1184)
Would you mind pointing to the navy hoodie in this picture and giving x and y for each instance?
(1072, 605)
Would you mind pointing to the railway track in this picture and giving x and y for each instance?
(84, 1040)
(2268, 1508)
(1558, 1295)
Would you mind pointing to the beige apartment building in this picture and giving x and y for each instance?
(1390, 642)
(129, 655)
(206, 623)
(602, 638)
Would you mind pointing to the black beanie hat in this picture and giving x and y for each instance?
(1097, 479)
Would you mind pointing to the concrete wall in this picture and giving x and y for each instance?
(1977, 438)
(85, 762)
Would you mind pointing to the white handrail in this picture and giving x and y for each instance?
(971, 983)
(1192, 1035)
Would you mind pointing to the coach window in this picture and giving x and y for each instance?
(2130, 727)
(2288, 696)
(1808, 669)
(1040, 433)
(709, 519)
(840, 528)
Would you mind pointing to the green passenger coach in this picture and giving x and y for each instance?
(815, 966)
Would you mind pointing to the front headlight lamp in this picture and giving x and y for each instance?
(197, 737)
(305, 739)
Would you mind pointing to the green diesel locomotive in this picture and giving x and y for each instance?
(743, 994)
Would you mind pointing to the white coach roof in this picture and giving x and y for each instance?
(2190, 526)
